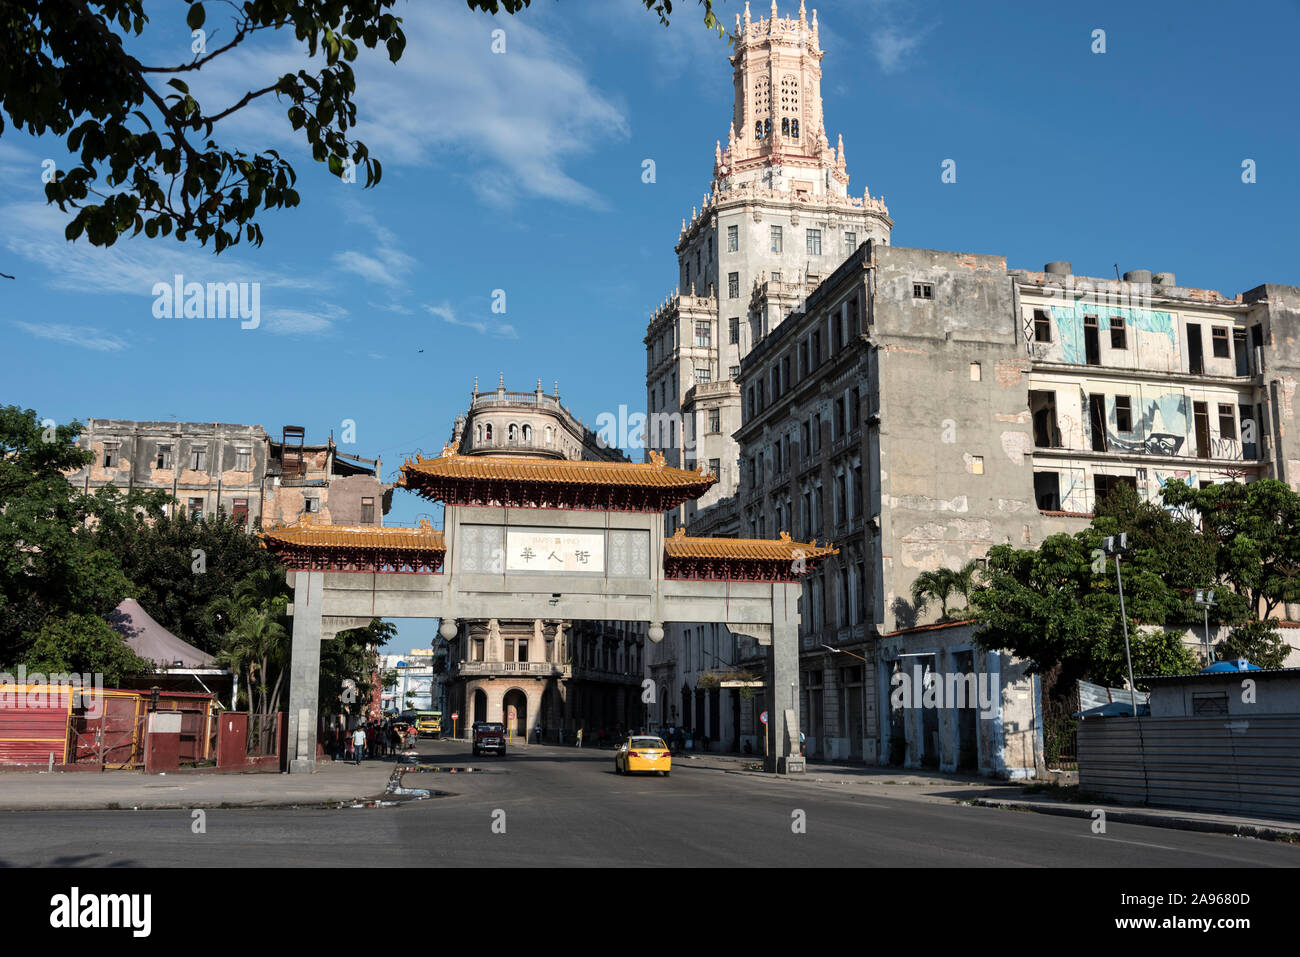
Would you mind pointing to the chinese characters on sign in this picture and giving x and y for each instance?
(555, 551)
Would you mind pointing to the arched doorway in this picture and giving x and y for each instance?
(480, 707)
(514, 708)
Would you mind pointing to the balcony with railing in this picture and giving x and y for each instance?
(530, 669)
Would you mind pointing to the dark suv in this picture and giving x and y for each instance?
(489, 736)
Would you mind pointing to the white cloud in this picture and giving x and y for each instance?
(34, 231)
(889, 45)
(84, 336)
(514, 120)
(302, 322)
(501, 330)
(893, 33)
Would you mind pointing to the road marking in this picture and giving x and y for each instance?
(1120, 840)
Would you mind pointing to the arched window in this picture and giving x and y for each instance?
(528, 433)
(794, 129)
(785, 126)
(548, 435)
(513, 433)
(767, 128)
(758, 129)
(478, 434)
(488, 431)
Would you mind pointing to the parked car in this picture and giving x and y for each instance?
(643, 753)
(489, 736)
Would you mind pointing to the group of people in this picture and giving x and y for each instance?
(372, 739)
(676, 737)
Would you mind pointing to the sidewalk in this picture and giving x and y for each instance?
(334, 782)
(939, 787)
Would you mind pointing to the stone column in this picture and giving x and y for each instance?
(495, 691)
(304, 670)
(782, 673)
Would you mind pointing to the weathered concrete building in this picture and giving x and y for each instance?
(238, 469)
(916, 407)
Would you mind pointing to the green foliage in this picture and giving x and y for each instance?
(85, 644)
(255, 637)
(1258, 642)
(352, 655)
(1257, 529)
(1050, 606)
(941, 584)
(184, 567)
(146, 158)
(48, 570)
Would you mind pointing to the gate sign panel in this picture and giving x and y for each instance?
(555, 550)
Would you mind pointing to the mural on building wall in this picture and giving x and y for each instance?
(1074, 491)
(1160, 424)
(1152, 333)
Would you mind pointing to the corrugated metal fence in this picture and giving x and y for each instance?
(1234, 765)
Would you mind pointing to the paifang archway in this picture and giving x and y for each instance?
(527, 537)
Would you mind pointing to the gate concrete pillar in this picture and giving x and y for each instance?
(304, 670)
(782, 697)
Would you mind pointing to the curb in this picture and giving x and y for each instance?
(1150, 820)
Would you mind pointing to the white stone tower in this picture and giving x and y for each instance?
(779, 215)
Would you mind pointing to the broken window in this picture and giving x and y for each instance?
(198, 458)
(1091, 342)
(1118, 333)
(1042, 406)
(367, 511)
(1227, 422)
(977, 465)
(1042, 326)
(164, 459)
(1240, 351)
(1123, 413)
(243, 460)
(1195, 349)
(975, 372)
(1249, 434)
(1104, 485)
(1219, 340)
(1047, 491)
(1201, 415)
(1097, 421)
(110, 454)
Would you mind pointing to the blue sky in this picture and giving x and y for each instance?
(522, 171)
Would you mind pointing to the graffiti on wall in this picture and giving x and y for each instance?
(1160, 426)
(1141, 322)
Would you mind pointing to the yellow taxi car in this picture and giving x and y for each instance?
(643, 753)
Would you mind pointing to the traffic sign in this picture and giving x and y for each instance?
(763, 717)
(455, 716)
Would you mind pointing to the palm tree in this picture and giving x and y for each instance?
(255, 641)
(938, 584)
(941, 583)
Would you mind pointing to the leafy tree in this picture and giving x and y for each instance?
(146, 156)
(1058, 604)
(255, 638)
(1256, 641)
(183, 566)
(48, 570)
(85, 644)
(1256, 526)
(352, 656)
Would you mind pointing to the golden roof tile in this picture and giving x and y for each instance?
(424, 538)
(783, 549)
(528, 468)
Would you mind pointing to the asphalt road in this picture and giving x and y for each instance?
(555, 807)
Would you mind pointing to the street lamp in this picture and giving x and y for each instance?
(841, 651)
(1206, 600)
(1116, 545)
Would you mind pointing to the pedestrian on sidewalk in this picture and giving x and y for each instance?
(579, 737)
(358, 744)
